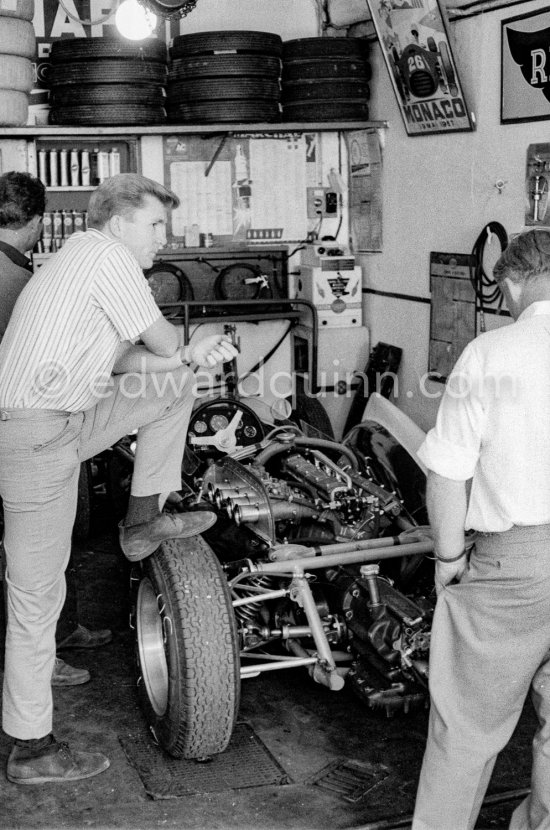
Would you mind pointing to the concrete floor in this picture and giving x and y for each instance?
(304, 726)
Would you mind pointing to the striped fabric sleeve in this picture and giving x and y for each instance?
(122, 292)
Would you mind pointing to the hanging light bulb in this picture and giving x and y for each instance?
(134, 21)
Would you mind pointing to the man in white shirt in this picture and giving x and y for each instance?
(489, 471)
(73, 380)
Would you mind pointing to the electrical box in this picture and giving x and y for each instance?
(321, 201)
(335, 293)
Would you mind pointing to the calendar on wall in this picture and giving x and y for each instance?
(238, 187)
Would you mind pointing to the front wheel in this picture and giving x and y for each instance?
(187, 649)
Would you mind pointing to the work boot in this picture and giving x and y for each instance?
(140, 540)
(65, 675)
(82, 637)
(54, 763)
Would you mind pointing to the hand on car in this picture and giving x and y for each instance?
(212, 350)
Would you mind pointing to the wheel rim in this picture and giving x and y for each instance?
(152, 657)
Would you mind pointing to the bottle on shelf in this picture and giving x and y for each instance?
(114, 162)
(63, 167)
(75, 168)
(85, 169)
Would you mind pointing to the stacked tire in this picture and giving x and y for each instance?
(325, 79)
(106, 81)
(17, 51)
(225, 76)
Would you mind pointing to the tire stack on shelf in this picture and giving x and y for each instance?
(17, 51)
(106, 81)
(325, 79)
(225, 76)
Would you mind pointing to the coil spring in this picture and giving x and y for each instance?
(249, 613)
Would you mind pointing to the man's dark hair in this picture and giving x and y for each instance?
(22, 197)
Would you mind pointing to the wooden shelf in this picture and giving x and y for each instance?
(193, 129)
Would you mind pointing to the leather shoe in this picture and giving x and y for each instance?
(82, 637)
(65, 675)
(139, 541)
(54, 763)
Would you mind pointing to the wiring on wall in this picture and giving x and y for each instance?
(486, 289)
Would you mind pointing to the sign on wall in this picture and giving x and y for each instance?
(525, 68)
(416, 48)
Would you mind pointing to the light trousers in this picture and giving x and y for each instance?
(490, 646)
(40, 456)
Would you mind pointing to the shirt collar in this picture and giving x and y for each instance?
(16, 256)
(535, 310)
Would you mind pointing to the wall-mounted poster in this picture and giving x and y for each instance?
(416, 48)
(525, 68)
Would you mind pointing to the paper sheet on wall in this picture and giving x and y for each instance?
(365, 195)
(205, 200)
(278, 176)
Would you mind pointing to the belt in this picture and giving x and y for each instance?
(31, 414)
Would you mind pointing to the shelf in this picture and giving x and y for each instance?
(194, 129)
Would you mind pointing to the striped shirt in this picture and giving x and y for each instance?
(60, 344)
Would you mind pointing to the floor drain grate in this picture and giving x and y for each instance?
(351, 780)
(245, 763)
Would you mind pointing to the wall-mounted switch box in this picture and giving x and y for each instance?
(321, 201)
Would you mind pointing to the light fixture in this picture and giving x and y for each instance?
(134, 21)
(170, 8)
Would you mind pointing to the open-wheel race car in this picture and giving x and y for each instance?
(318, 561)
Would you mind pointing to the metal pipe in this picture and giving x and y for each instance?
(301, 586)
(260, 597)
(356, 554)
(278, 552)
(251, 671)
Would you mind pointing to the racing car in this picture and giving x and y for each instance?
(318, 562)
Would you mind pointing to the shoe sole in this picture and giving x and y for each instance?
(66, 684)
(152, 548)
(55, 780)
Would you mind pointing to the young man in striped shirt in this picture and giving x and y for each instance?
(22, 206)
(73, 380)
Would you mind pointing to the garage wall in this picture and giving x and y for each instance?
(438, 193)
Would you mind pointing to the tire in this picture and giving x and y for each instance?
(326, 68)
(213, 66)
(204, 43)
(323, 110)
(17, 37)
(92, 94)
(323, 47)
(99, 48)
(187, 650)
(108, 72)
(14, 108)
(231, 283)
(169, 284)
(224, 89)
(207, 112)
(108, 115)
(324, 89)
(82, 523)
(16, 73)
(312, 412)
(22, 9)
